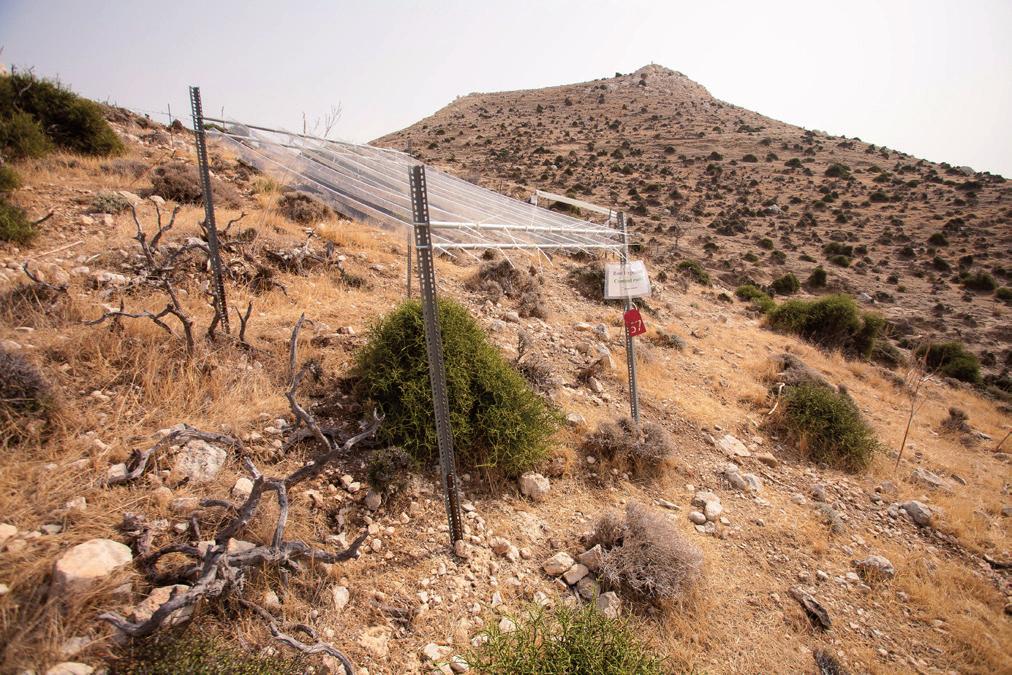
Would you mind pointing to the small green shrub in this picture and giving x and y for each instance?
(836, 248)
(840, 260)
(496, 419)
(938, 239)
(70, 121)
(389, 469)
(110, 202)
(786, 285)
(1004, 293)
(21, 136)
(979, 281)
(817, 279)
(25, 398)
(9, 180)
(766, 243)
(826, 426)
(564, 641)
(759, 300)
(833, 322)
(694, 270)
(952, 359)
(200, 654)
(836, 170)
(14, 224)
(750, 158)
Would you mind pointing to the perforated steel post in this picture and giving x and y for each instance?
(630, 346)
(434, 346)
(217, 281)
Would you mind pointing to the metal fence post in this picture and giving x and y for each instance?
(218, 283)
(434, 346)
(630, 346)
(409, 264)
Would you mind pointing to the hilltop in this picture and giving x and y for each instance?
(750, 197)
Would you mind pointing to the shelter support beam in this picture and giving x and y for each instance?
(630, 345)
(434, 346)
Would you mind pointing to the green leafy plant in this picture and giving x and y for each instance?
(110, 202)
(833, 322)
(69, 121)
(979, 281)
(9, 180)
(757, 297)
(817, 279)
(826, 426)
(14, 224)
(388, 469)
(786, 285)
(564, 641)
(837, 170)
(498, 422)
(200, 654)
(695, 271)
(952, 359)
(21, 135)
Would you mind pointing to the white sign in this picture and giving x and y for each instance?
(626, 281)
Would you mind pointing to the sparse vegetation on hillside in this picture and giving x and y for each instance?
(826, 426)
(694, 271)
(641, 449)
(201, 654)
(757, 297)
(951, 359)
(564, 641)
(498, 421)
(303, 208)
(180, 182)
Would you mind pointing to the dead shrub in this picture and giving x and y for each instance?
(180, 183)
(26, 399)
(303, 208)
(631, 447)
(498, 278)
(649, 560)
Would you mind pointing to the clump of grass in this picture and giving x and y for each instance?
(832, 322)
(786, 285)
(37, 113)
(951, 359)
(760, 300)
(647, 558)
(26, 399)
(638, 448)
(826, 426)
(564, 641)
(110, 202)
(195, 652)
(14, 224)
(498, 422)
(303, 208)
(694, 271)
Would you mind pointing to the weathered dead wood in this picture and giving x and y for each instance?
(139, 461)
(319, 647)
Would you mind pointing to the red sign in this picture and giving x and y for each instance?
(634, 322)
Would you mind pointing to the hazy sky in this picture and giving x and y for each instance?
(930, 78)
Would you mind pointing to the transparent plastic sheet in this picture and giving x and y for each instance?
(371, 184)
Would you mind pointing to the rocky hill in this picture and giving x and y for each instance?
(750, 197)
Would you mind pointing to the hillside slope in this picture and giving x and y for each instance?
(751, 197)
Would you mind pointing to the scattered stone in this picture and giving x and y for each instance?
(918, 512)
(932, 480)
(575, 573)
(712, 510)
(816, 613)
(557, 564)
(534, 486)
(733, 447)
(435, 653)
(70, 668)
(459, 665)
(767, 459)
(507, 625)
(340, 596)
(461, 548)
(162, 496)
(159, 596)
(79, 504)
(6, 532)
(875, 567)
(610, 604)
(697, 517)
(116, 472)
(665, 504)
(74, 646)
(271, 601)
(198, 461)
(87, 563)
(592, 558)
(242, 489)
(574, 419)
(587, 588)
(373, 500)
(375, 640)
(819, 492)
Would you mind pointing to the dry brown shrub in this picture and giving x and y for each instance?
(631, 447)
(180, 182)
(26, 399)
(303, 208)
(650, 560)
(498, 278)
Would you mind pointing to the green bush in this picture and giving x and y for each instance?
(9, 180)
(836, 248)
(786, 285)
(833, 322)
(14, 224)
(836, 170)
(388, 469)
(840, 260)
(951, 359)
(817, 279)
(1004, 293)
(759, 300)
(564, 641)
(70, 121)
(826, 426)
(979, 281)
(938, 239)
(21, 135)
(694, 270)
(200, 654)
(110, 202)
(497, 420)
(766, 243)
